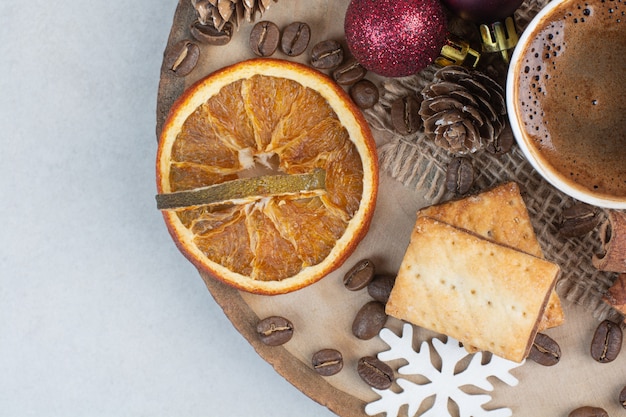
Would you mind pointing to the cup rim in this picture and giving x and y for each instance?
(514, 122)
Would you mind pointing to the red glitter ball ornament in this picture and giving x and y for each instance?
(395, 38)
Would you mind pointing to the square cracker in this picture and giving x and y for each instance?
(483, 294)
(499, 214)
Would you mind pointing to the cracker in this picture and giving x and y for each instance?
(483, 294)
(499, 214)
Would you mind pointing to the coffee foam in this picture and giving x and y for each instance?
(571, 97)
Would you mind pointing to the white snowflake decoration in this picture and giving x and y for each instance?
(444, 384)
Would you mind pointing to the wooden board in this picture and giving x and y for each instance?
(323, 313)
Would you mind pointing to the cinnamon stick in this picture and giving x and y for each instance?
(613, 235)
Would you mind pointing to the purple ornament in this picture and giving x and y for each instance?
(483, 11)
(395, 38)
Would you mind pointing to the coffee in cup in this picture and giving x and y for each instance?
(566, 97)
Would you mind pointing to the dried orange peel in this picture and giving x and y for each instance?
(271, 233)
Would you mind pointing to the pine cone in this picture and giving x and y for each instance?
(220, 12)
(463, 110)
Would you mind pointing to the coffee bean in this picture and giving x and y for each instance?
(359, 275)
(327, 55)
(210, 35)
(578, 220)
(327, 362)
(459, 175)
(607, 342)
(622, 397)
(404, 115)
(375, 373)
(349, 72)
(274, 330)
(380, 287)
(588, 411)
(369, 320)
(182, 57)
(545, 350)
(264, 38)
(295, 39)
(364, 93)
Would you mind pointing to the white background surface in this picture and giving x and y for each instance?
(100, 315)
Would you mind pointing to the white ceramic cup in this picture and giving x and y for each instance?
(515, 110)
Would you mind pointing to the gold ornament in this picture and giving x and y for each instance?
(499, 37)
(456, 51)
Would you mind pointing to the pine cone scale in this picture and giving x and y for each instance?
(440, 89)
(465, 96)
(439, 104)
(225, 8)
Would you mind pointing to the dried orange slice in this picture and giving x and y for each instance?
(267, 118)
